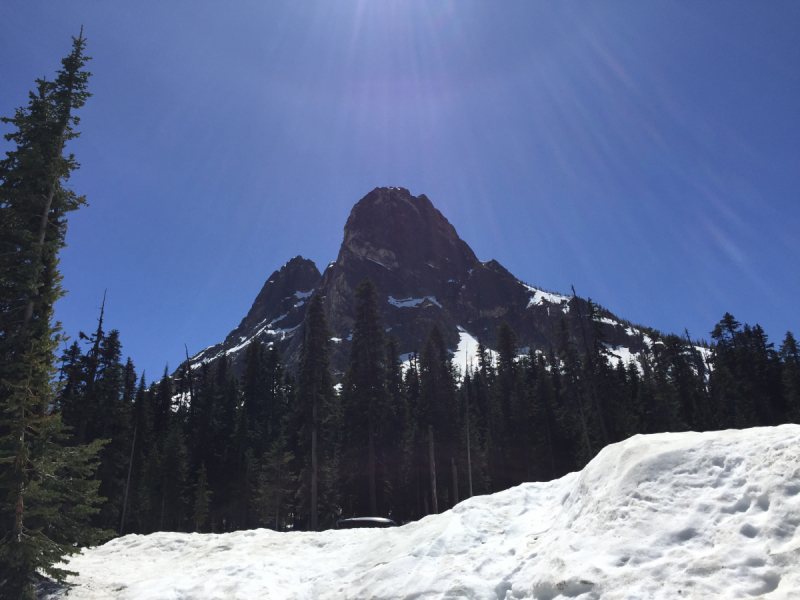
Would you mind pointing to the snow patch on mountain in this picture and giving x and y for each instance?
(672, 515)
(540, 296)
(466, 354)
(379, 263)
(412, 302)
(621, 353)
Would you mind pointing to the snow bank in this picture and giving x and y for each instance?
(681, 515)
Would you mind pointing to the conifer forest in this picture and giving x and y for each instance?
(90, 448)
(203, 451)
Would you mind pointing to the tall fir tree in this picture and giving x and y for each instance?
(312, 426)
(791, 377)
(46, 494)
(364, 403)
(438, 418)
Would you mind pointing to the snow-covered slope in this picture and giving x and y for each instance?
(680, 515)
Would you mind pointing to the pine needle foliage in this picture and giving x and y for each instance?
(46, 494)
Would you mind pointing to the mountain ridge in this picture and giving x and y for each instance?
(425, 274)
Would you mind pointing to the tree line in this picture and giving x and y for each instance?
(205, 451)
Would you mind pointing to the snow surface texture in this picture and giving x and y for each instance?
(674, 515)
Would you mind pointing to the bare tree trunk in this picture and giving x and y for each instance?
(44, 220)
(373, 502)
(128, 484)
(550, 445)
(419, 508)
(163, 502)
(434, 499)
(314, 464)
(19, 512)
(469, 457)
(455, 480)
(28, 315)
(278, 495)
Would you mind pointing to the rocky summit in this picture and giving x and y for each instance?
(425, 274)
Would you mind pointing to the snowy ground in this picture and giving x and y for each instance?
(687, 515)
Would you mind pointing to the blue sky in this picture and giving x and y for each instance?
(647, 153)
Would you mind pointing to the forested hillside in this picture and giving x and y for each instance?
(205, 451)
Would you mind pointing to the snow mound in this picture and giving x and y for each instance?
(674, 515)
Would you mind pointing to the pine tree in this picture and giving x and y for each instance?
(46, 496)
(508, 443)
(543, 423)
(412, 458)
(438, 416)
(255, 391)
(112, 424)
(173, 471)
(202, 500)
(573, 389)
(791, 377)
(312, 426)
(392, 426)
(364, 402)
(274, 483)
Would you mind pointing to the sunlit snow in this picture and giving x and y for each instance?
(674, 515)
(540, 296)
(466, 354)
(378, 263)
(412, 302)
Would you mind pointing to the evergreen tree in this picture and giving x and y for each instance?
(543, 424)
(438, 417)
(487, 413)
(595, 363)
(72, 382)
(413, 465)
(202, 500)
(173, 472)
(313, 423)
(791, 377)
(274, 484)
(392, 426)
(364, 403)
(162, 405)
(573, 391)
(277, 400)
(112, 424)
(255, 392)
(46, 496)
(509, 421)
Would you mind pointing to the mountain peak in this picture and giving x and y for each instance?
(424, 273)
(393, 228)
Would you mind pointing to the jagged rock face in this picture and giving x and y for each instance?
(424, 274)
(276, 314)
(413, 255)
